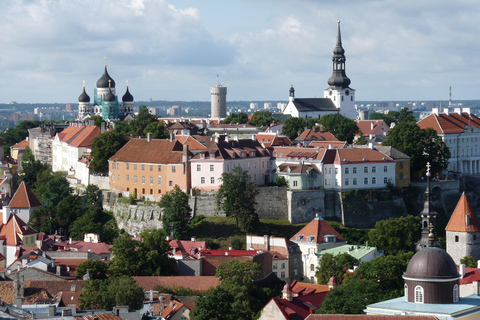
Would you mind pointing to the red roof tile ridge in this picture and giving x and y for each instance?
(24, 198)
(458, 221)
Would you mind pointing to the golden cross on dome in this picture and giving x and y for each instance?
(84, 83)
(127, 83)
(110, 83)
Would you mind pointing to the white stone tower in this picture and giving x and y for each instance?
(339, 91)
(219, 101)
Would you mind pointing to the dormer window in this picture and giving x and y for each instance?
(329, 238)
(299, 237)
(311, 238)
(202, 155)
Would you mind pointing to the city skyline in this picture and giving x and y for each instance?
(174, 50)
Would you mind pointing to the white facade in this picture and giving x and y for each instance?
(344, 100)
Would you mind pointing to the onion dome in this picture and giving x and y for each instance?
(104, 81)
(431, 263)
(127, 97)
(84, 96)
(109, 96)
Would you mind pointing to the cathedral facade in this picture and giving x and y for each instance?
(105, 101)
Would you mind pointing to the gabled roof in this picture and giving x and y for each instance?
(392, 152)
(183, 247)
(171, 310)
(297, 168)
(317, 288)
(310, 134)
(272, 139)
(11, 230)
(355, 155)
(300, 307)
(463, 218)
(197, 283)
(314, 104)
(449, 123)
(471, 274)
(192, 143)
(21, 145)
(233, 149)
(155, 151)
(315, 231)
(297, 153)
(365, 126)
(84, 246)
(69, 133)
(85, 137)
(24, 198)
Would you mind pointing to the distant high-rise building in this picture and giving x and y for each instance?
(339, 91)
(219, 101)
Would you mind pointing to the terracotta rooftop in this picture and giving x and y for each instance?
(463, 218)
(192, 143)
(85, 137)
(100, 316)
(471, 274)
(272, 140)
(366, 317)
(368, 127)
(198, 283)
(310, 134)
(11, 230)
(327, 144)
(184, 248)
(24, 198)
(297, 153)
(84, 246)
(355, 155)
(296, 286)
(69, 133)
(300, 307)
(155, 151)
(449, 123)
(315, 231)
(170, 310)
(21, 145)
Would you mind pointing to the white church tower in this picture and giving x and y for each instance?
(339, 91)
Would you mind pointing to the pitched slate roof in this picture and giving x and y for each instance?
(314, 104)
(316, 228)
(463, 218)
(155, 151)
(449, 123)
(310, 134)
(198, 283)
(24, 198)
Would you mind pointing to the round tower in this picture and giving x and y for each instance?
(219, 101)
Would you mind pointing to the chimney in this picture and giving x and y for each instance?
(151, 295)
(102, 127)
(91, 122)
(371, 125)
(370, 145)
(193, 239)
(149, 136)
(266, 239)
(466, 110)
(185, 153)
(230, 248)
(69, 240)
(435, 111)
(446, 111)
(227, 138)
(478, 264)
(192, 251)
(171, 136)
(73, 288)
(461, 270)
(59, 270)
(457, 110)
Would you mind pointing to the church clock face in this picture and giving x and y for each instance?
(347, 92)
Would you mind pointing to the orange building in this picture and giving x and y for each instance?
(150, 167)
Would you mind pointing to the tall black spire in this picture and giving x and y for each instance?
(339, 78)
(428, 238)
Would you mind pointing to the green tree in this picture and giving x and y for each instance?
(236, 118)
(351, 297)
(281, 181)
(152, 254)
(469, 262)
(293, 127)
(312, 123)
(362, 140)
(31, 170)
(157, 129)
(92, 196)
(395, 235)
(88, 222)
(97, 269)
(103, 147)
(125, 292)
(343, 128)
(52, 188)
(237, 198)
(336, 265)
(435, 151)
(176, 212)
(141, 121)
(405, 116)
(95, 295)
(262, 119)
(97, 120)
(216, 305)
(43, 219)
(125, 260)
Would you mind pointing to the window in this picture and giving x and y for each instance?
(295, 183)
(374, 169)
(400, 177)
(329, 170)
(406, 292)
(385, 168)
(255, 177)
(295, 272)
(135, 166)
(283, 266)
(199, 167)
(347, 182)
(474, 237)
(282, 274)
(170, 183)
(418, 294)
(128, 177)
(354, 170)
(212, 168)
(159, 180)
(365, 181)
(143, 167)
(400, 164)
(212, 180)
(174, 169)
(336, 170)
(455, 293)
(151, 167)
(365, 169)
(336, 181)
(143, 179)
(456, 238)
(275, 266)
(228, 168)
(354, 181)
(128, 166)
(202, 180)
(151, 180)
(118, 177)
(347, 170)
(159, 168)
(113, 177)
(135, 179)
(312, 267)
(374, 180)
(385, 180)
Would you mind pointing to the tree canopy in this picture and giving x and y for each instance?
(237, 198)
(395, 235)
(262, 119)
(141, 121)
(336, 265)
(176, 212)
(293, 127)
(343, 128)
(103, 147)
(236, 118)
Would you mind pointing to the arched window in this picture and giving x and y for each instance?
(455, 293)
(425, 224)
(418, 294)
(406, 292)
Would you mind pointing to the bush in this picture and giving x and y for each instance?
(237, 243)
(133, 199)
(195, 220)
(281, 182)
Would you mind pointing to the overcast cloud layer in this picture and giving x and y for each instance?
(174, 50)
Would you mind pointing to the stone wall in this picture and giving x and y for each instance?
(136, 218)
(304, 205)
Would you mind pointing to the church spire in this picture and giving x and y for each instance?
(339, 78)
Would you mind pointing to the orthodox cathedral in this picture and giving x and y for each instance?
(105, 102)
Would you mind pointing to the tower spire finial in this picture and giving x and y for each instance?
(127, 83)
(83, 84)
(110, 84)
(105, 61)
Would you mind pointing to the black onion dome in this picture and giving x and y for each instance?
(84, 97)
(339, 79)
(103, 82)
(127, 97)
(431, 263)
(109, 96)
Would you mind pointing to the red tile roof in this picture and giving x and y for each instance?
(85, 137)
(451, 123)
(356, 155)
(69, 133)
(192, 143)
(24, 198)
(297, 153)
(198, 283)
(273, 140)
(366, 317)
(297, 286)
(300, 307)
(11, 230)
(365, 126)
(170, 310)
(21, 145)
(100, 316)
(471, 274)
(184, 248)
(316, 228)
(327, 144)
(310, 134)
(463, 212)
(155, 151)
(84, 246)
(231, 253)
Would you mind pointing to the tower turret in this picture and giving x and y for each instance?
(339, 78)
(291, 94)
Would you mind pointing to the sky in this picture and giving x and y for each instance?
(174, 50)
